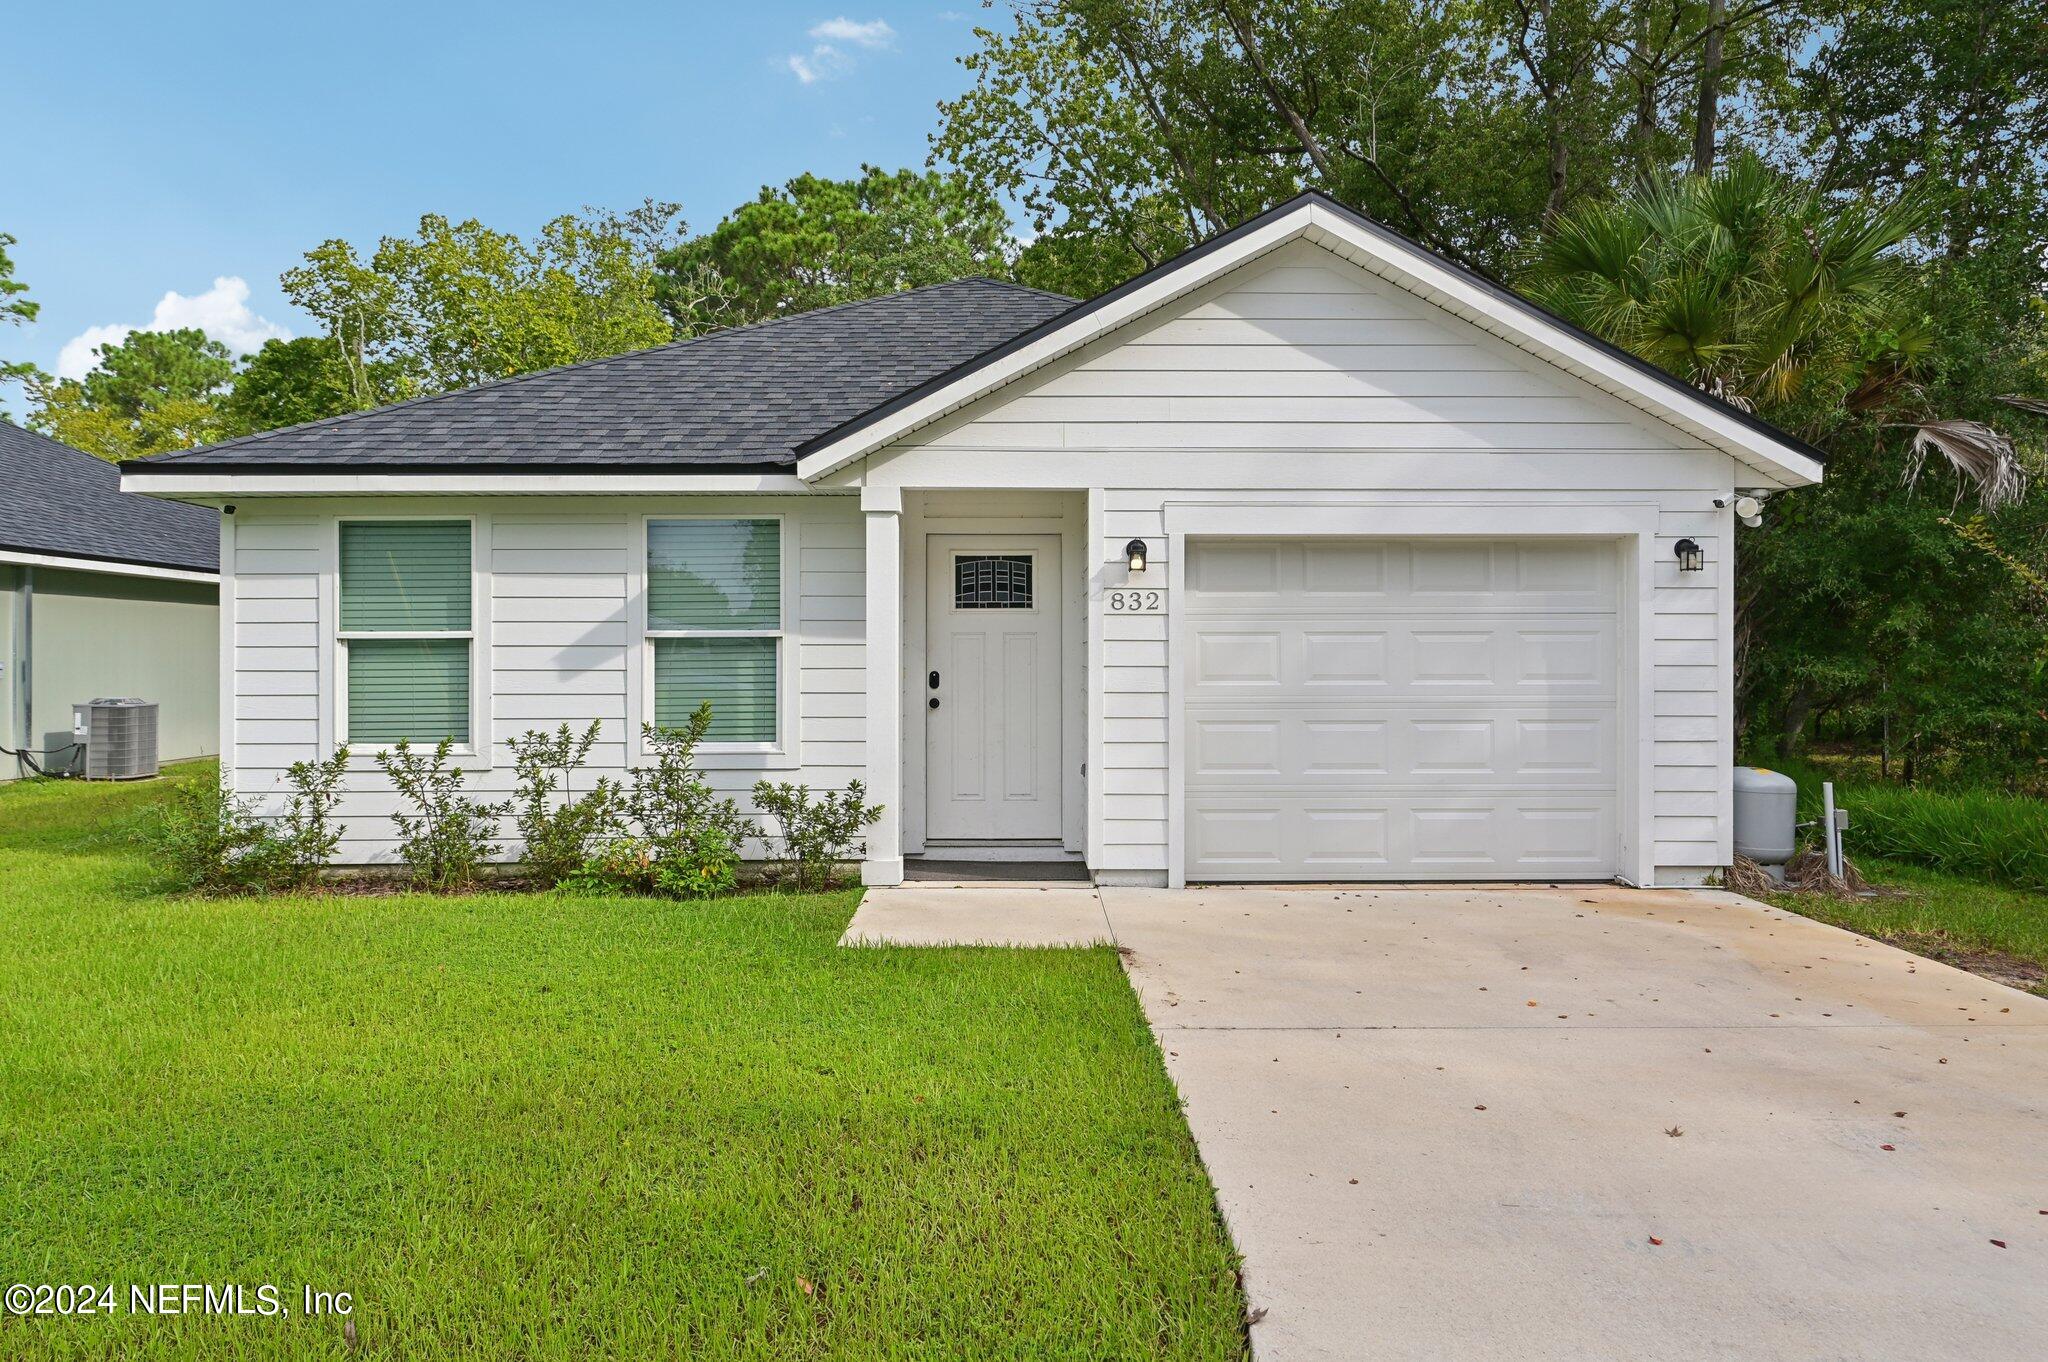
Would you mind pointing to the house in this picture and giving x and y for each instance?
(102, 593)
(1304, 556)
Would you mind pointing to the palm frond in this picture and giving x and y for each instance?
(1985, 459)
(2034, 406)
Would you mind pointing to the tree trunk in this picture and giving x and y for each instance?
(1798, 708)
(1710, 89)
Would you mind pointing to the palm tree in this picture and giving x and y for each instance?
(1768, 294)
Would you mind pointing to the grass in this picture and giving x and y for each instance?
(552, 1127)
(1988, 928)
(1982, 835)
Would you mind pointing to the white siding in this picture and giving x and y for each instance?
(556, 641)
(1302, 380)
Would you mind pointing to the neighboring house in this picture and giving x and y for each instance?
(102, 593)
(1409, 604)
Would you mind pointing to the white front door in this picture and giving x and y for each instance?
(991, 687)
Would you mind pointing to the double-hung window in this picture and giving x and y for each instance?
(715, 626)
(407, 631)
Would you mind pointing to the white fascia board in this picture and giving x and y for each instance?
(1419, 274)
(1047, 348)
(1415, 272)
(68, 564)
(213, 487)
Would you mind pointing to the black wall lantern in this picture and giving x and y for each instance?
(1135, 551)
(1691, 557)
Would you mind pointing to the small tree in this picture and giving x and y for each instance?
(447, 838)
(816, 835)
(559, 839)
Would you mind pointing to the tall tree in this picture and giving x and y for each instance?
(289, 382)
(459, 303)
(814, 242)
(1127, 132)
(155, 391)
(15, 310)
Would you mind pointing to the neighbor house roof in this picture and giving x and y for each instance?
(731, 401)
(1366, 243)
(60, 502)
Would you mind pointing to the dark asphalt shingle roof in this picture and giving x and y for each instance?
(739, 400)
(62, 501)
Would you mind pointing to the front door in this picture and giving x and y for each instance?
(992, 688)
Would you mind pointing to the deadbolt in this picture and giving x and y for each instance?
(934, 702)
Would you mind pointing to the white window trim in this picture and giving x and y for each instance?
(782, 753)
(473, 752)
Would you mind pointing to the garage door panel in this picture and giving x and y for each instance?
(1312, 837)
(1422, 659)
(1391, 709)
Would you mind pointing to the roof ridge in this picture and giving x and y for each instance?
(182, 455)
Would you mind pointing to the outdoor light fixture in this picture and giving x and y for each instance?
(1135, 551)
(1691, 557)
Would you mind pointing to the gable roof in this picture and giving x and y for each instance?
(1384, 252)
(64, 503)
(733, 401)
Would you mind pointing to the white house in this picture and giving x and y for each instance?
(1305, 556)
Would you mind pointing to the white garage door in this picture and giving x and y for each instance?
(1400, 709)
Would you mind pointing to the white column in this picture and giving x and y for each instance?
(882, 509)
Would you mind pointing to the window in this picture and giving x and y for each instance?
(406, 630)
(714, 622)
(992, 581)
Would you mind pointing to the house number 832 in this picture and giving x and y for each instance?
(1136, 601)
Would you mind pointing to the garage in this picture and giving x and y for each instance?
(1389, 709)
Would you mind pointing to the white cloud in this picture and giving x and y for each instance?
(873, 33)
(222, 312)
(827, 58)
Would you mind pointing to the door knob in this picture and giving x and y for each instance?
(934, 703)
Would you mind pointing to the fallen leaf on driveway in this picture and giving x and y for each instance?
(1890, 1147)
(1655, 1240)
(1481, 1107)
(1999, 1242)
(1674, 1132)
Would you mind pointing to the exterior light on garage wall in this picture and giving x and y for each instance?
(1691, 557)
(1135, 551)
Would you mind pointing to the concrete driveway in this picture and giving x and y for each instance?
(1601, 1124)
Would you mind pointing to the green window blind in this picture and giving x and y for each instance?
(714, 574)
(404, 576)
(737, 675)
(415, 688)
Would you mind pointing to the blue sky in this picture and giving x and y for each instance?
(156, 149)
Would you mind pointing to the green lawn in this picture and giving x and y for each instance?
(1944, 916)
(549, 1127)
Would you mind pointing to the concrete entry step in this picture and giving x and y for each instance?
(979, 915)
(923, 870)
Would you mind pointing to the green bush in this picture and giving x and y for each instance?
(448, 837)
(816, 835)
(208, 840)
(558, 838)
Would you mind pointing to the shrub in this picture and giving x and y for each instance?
(211, 841)
(677, 810)
(558, 839)
(207, 840)
(447, 838)
(816, 835)
(1979, 834)
(706, 866)
(624, 865)
(305, 837)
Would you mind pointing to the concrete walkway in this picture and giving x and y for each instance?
(1592, 1123)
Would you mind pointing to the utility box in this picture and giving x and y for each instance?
(1766, 815)
(119, 737)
